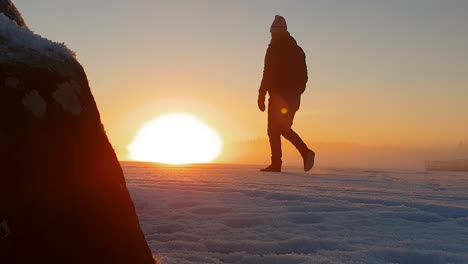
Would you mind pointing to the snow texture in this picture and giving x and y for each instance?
(235, 214)
(67, 95)
(35, 103)
(22, 37)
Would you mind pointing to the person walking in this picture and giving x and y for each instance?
(284, 79)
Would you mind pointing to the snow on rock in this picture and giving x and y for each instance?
(8, 9)
(35, 103)
(22, 37)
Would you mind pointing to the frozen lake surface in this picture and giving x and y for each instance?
(236, 214)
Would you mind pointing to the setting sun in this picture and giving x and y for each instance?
(176, 139)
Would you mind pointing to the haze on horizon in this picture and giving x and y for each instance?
(380, 72)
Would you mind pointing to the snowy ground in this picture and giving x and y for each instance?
(235, 214)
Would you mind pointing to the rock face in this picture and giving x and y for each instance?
(63, 197)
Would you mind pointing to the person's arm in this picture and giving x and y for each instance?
(266, 74)
(265, 85)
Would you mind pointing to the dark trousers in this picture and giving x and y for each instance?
(280, 120)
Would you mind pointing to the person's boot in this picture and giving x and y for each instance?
(309, 160)
(274, 167)
(276, 153)
(307, 155)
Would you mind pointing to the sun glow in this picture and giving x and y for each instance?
(176, 139)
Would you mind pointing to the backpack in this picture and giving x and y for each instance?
(300, 68)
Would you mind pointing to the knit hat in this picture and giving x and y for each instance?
(279, 25)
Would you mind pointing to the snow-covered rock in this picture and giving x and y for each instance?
(63, 196)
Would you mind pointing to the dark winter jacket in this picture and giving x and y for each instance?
(285, 72)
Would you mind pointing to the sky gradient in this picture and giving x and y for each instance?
(380, 72)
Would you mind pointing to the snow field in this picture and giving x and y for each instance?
(236, 214)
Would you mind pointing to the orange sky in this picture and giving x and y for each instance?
(380, 73)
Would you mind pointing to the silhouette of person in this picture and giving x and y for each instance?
(284, 78)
